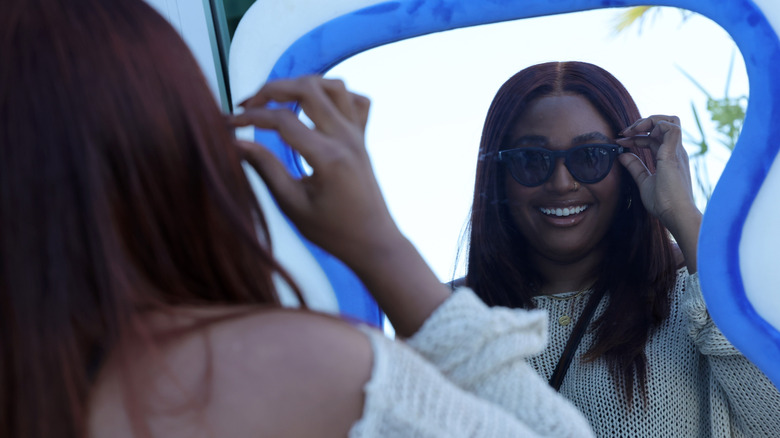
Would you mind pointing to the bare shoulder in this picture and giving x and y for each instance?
(277, 338)
(270, 373)
(298, 373)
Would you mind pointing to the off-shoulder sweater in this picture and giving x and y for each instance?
(698, 384)
(465, 374)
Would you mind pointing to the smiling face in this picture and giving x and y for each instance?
(562, 221)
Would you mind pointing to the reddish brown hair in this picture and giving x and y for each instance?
(638, 270)
(120, 192)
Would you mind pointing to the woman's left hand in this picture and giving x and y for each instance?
(668, 193)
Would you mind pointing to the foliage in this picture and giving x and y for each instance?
(637, 15)
(728, 115)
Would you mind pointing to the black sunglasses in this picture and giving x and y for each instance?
(588, 163)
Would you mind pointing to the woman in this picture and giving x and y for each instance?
(574, 195)
(137, 291)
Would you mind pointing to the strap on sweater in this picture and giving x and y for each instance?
(574, 341)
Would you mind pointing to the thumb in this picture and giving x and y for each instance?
(635, 167)
(286, 190)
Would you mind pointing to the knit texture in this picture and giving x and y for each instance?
(467, 378)
(698, 384)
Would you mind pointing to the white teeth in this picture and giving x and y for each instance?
(563, 212)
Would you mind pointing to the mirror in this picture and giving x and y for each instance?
(430, 96)
(736, 249)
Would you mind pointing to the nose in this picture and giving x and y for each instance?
(561, 181)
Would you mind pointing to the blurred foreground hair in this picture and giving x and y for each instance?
(120, 193)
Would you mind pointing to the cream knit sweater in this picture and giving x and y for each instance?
(698, 384)
(465, 374)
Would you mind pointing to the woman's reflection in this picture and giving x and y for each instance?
(574, 195)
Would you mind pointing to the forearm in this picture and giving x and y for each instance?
(401, 282)
(685, 229)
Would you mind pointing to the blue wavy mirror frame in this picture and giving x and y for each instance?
(728, 210)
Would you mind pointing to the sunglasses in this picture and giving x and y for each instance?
(588, 163)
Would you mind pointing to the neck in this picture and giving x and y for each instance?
(568, 275)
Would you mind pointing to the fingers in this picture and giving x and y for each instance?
(653, 131)
(292, 130)
(640, 141)
(669, 188)
(352, 105)
(648, 124)
(334, 147)
(325, 101)
(639, 172)
(341, 98)
(285, 189)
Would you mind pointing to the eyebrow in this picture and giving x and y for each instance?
(590, 136)
(540, 140)
(531, 140)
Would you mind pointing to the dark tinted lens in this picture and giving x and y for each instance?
(529, 166)
(590, 163)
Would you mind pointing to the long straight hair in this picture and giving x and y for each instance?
(120, 192)
(638, 269)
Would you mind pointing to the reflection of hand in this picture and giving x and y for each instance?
(340, 206)
(667, 194)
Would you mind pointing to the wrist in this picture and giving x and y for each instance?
(685, 230)
(401, 281)
(683, 221)
(376, 250)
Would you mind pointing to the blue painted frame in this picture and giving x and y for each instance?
(338, 39)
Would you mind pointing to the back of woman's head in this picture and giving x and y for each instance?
(639, 265)
(120, 192)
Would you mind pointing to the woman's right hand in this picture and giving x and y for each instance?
(668, 193)
(340, 206)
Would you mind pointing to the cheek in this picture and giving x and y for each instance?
(514, 192)
(611, 190)
(509, 188)
(517, 202)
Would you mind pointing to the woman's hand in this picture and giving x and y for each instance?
(667, 194)
(340, 206)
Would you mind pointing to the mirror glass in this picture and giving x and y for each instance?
(430, 95)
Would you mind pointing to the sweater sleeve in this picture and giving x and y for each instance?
(408, 397)
(737, 387)
(483, 351)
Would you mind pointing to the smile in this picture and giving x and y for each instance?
(562, 212)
